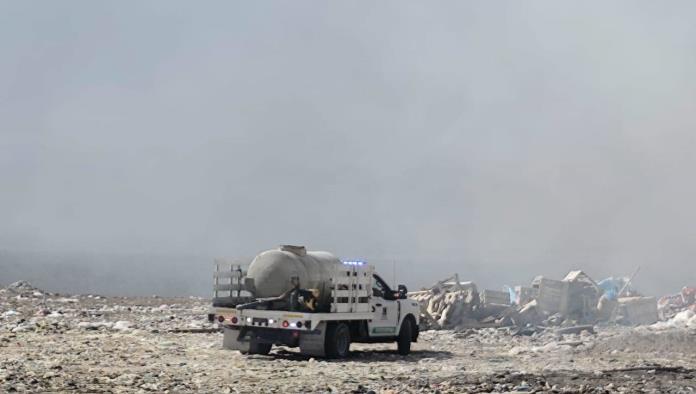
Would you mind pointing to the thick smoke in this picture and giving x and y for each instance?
(500, 141)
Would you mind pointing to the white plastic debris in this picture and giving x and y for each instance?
(68, 300)
(683, 319)
(26, 326)
(122, 325)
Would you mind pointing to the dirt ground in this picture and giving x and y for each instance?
(54, 343)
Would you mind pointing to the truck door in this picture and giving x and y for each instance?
(385, 309)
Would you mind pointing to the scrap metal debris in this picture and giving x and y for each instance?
(576, 300)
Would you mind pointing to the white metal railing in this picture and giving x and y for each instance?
(229, 281)
(351, 288)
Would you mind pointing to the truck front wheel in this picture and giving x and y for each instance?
(337, 344)
(405, 335)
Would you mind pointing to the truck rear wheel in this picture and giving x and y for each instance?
(405, 335)
(337, 343)
(259, 348)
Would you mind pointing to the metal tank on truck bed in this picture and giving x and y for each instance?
(311, 300)
(272, 270)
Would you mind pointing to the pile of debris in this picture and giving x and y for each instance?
(23, 288)
(26, 308)
(671, 305)
(575, 300)
(448, 304)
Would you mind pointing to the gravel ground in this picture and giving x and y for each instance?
(58, 343)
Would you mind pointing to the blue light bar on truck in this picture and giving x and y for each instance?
(354, 262)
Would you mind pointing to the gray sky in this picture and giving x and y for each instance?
(497, 139)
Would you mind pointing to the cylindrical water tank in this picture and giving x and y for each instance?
(272, 270)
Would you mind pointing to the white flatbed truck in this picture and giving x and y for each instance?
(363, 309)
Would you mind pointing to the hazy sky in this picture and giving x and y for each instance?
(487, 138)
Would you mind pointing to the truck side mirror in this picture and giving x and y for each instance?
(402, 290)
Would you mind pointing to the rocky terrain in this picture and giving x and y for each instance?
(89, 343)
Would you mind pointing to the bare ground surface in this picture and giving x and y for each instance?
(52, 343)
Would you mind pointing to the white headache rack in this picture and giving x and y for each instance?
(231, 287)
(351, 287)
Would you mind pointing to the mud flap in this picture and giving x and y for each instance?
(312, 343)
(230, 340)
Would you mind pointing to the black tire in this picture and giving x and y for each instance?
(259, 348)
(337, 340)
(403, 341)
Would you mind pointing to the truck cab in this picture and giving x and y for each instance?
(361, 307)
(386, 308)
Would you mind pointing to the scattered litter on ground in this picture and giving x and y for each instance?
(91, 343)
